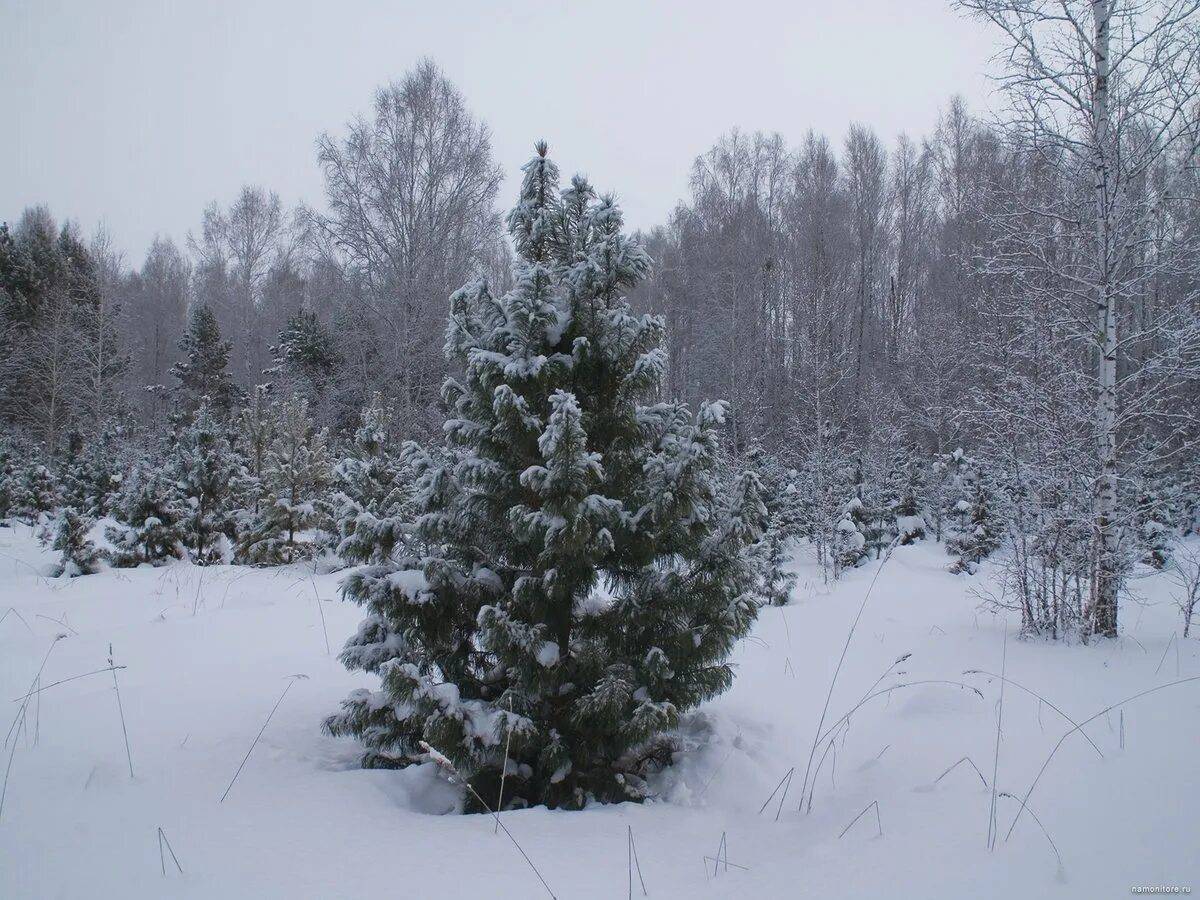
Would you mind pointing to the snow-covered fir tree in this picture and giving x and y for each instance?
(373, 491)
(205, 471)
(257, 426)
(588, 571)
(852, 540)
(202, 373)
(909, 512)
(982, 532)
(9, 488)
(92, 478)
(79, 555)
(824, 483)
(149, 514)
(306, 358)
(949, 491)
(1155, 490)
(295, 479)
(36, 494)
(783, 501)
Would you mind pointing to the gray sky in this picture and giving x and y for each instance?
(138, 114)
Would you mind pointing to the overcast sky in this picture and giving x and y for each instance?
(138, 114)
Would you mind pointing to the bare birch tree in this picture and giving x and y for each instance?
(1102, 94)
(410, 216)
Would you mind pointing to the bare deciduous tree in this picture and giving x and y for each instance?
(411, 215)
(1102, 98)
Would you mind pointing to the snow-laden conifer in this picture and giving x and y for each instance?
(91, 480)
(79, 555)
(588, 570)
(982, 531)
(202, 373)
(149, 513)
(372, 491)
(295, 478)
(205, 471)
(36, 492)
(9, 484)
(784, 503)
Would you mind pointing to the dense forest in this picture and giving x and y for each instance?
(988, 335)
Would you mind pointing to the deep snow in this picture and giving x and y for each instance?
(209, 651)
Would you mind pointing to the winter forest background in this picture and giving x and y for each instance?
(986, 336)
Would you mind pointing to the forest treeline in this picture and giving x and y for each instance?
(990, 333)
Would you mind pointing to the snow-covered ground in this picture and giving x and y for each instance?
(209, 651)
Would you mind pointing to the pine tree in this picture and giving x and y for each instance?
(782, 500)
(9, 486)
(202, 372)
(824, 484)
(148, 514)
(37, 493)
(909, 511)
(205, 470)
(852, 545)
(373, 488)
(92, 477)
(21, 284)
(257, 426)
(305, 357)
(1159, 514)
(949, 492)
(982, 535)
(79, 554)
(295, 479)
(587, 571)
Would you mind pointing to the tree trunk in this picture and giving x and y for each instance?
(1107, 576)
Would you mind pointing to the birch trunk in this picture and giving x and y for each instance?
(1105, 582)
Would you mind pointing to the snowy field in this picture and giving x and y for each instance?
(209, 651)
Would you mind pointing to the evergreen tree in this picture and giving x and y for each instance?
(148, 514)
(373, 492)
(824, 484)
(257, 426)
(37, 493)
(306, 358)
(295, 479)
(855, 528)
(202, 371)
(982, 534)
(587, 571)
(92, 477)
(204, 470)
(1159, 514)
(949, 492)
(9, 486)
(782, 500)
(909, 511)
(79, 554)
(20, 282)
